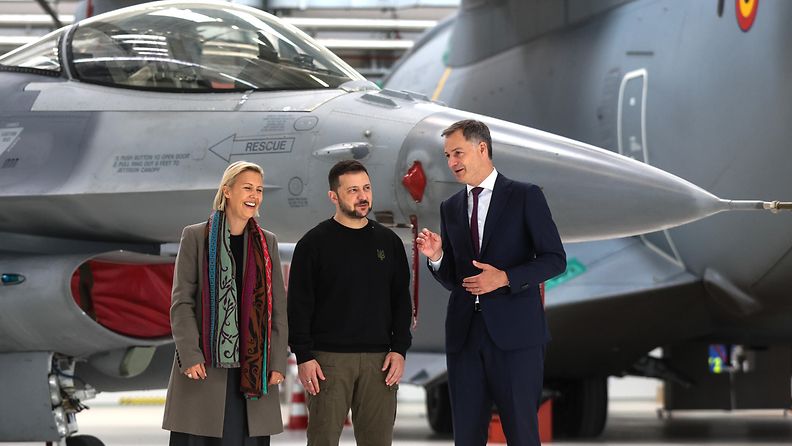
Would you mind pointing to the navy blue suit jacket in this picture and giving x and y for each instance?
(520, 238)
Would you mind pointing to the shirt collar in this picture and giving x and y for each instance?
(488, 183)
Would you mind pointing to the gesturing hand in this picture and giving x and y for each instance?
(490, 279)
(310, 372)
(430, 244)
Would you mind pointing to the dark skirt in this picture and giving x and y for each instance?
(235, 425)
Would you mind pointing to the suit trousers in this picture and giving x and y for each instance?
(482, 374)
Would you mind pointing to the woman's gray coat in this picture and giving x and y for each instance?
(198, 406)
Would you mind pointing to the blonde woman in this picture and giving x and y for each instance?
(228, 318)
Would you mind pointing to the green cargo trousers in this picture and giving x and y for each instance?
(356, 381)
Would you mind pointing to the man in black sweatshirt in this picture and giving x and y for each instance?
(349, 315)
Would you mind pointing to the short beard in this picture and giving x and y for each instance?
(352, 212)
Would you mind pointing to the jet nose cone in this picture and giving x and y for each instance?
(593, 193)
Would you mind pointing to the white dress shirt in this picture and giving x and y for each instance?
(485, 196)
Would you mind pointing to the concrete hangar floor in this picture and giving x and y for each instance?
(118, 421)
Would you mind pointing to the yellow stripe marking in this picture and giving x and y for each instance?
(441, 83)
(142, 401)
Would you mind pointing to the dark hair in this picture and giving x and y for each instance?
(473, 131)
(341, 168)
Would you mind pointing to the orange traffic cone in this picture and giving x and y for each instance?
(495, 434)
(545, 415)
(546, 421)
(298, 414)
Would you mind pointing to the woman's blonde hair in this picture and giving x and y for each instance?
(229, 177)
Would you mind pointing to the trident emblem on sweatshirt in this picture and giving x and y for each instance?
(381, 254)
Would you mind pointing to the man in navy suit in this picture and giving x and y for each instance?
(497, 243)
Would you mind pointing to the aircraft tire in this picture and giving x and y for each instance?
(83, 440)
(438, 408)
(581, 410)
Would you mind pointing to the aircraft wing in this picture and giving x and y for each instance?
(601, 271)
(618, 300)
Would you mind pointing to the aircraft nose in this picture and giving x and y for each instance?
(593, 193)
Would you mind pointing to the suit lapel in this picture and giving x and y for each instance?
(500, 196)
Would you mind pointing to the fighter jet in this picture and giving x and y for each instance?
(114, 132)
(697, 89)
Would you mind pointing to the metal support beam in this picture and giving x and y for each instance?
(48, 9)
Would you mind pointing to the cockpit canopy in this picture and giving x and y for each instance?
(196, 46)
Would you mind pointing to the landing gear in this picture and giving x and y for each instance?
(438, 408)
(46, 396)
(83, 440)
(581, 409)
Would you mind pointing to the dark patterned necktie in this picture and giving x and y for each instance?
(474, 231)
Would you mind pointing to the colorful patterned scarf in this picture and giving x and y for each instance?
(229, 317)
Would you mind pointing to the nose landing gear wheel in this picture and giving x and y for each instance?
(83, 440)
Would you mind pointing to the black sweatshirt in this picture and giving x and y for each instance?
(349, 291)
